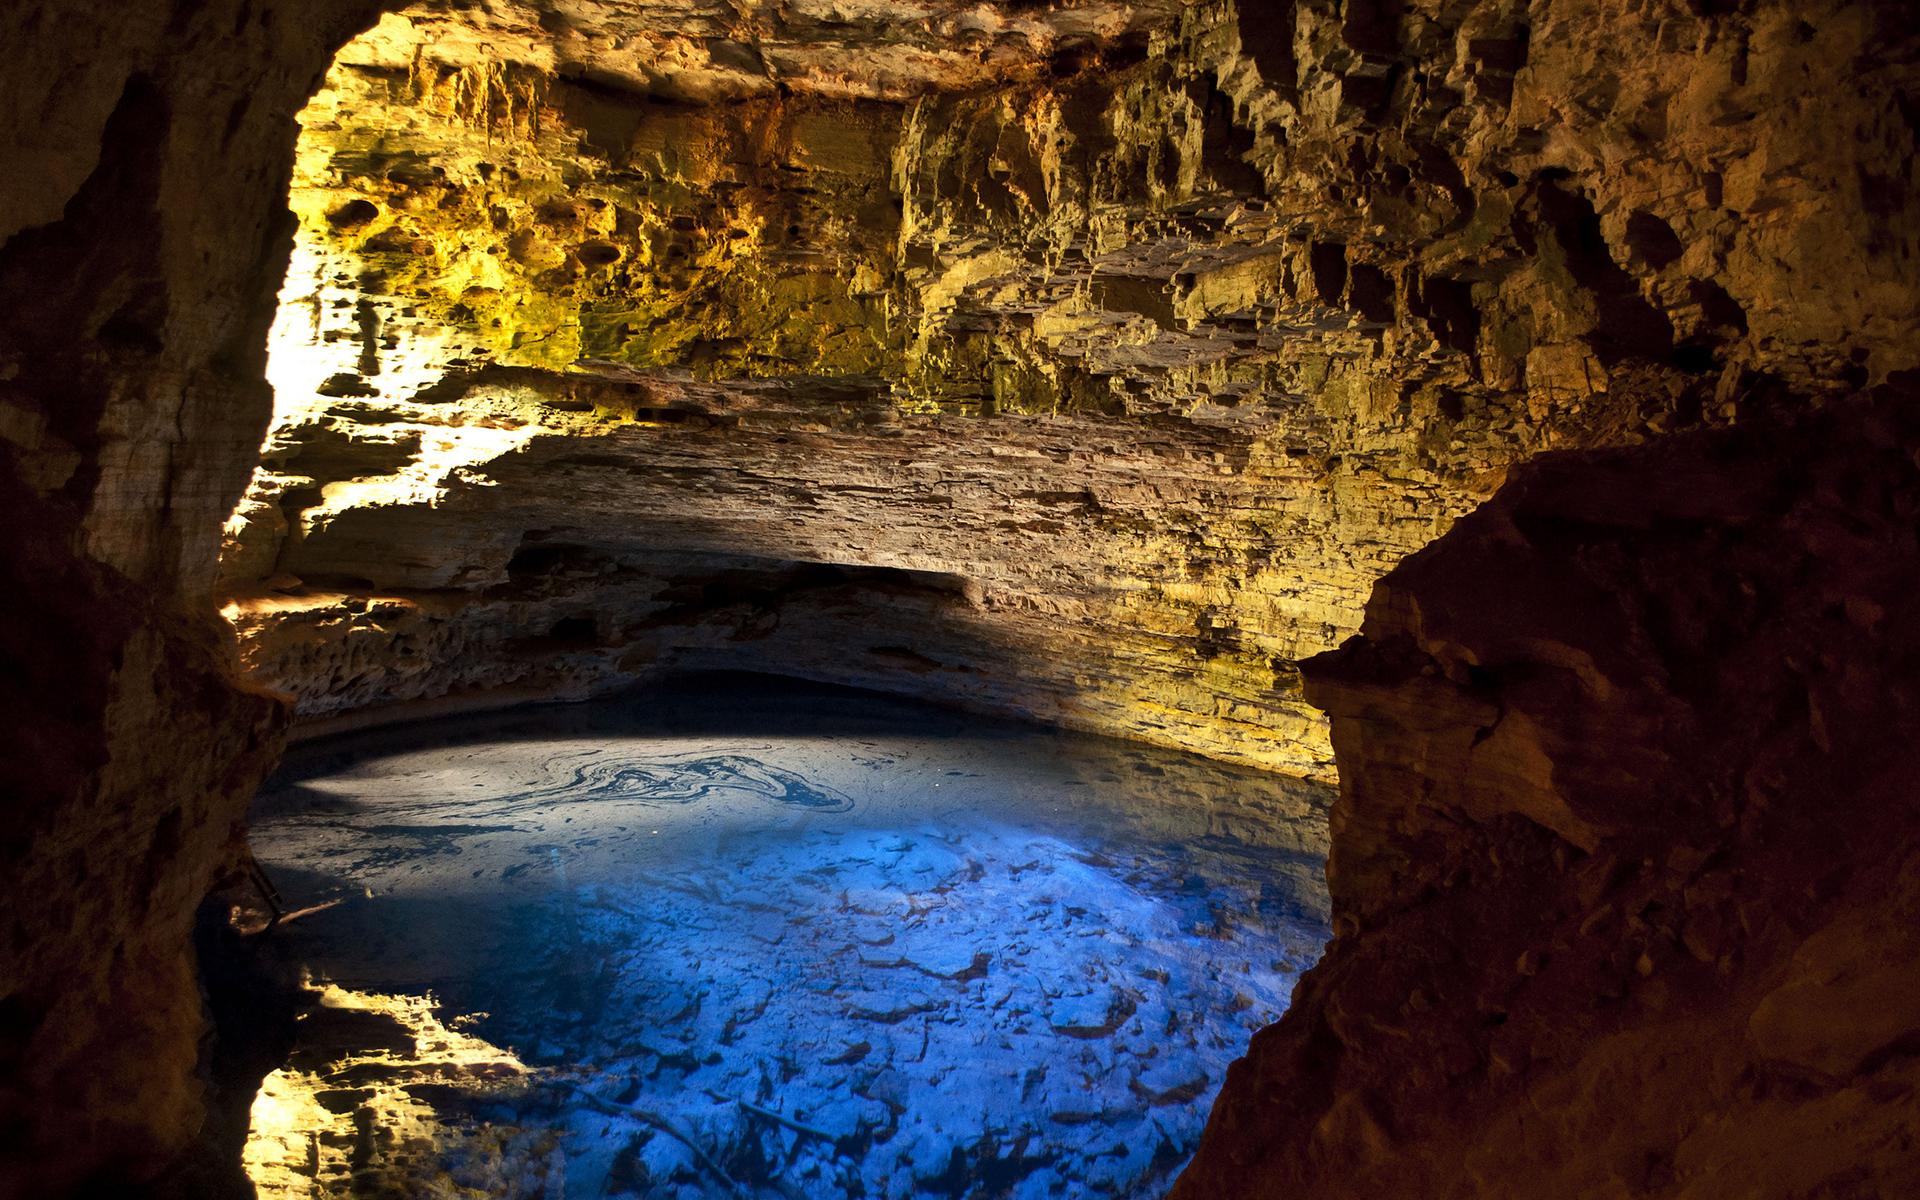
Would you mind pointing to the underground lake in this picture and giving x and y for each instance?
(753, 938)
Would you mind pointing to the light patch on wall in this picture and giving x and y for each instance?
(444, 450)
(327, 344)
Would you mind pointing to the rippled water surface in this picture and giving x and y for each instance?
(753, 939)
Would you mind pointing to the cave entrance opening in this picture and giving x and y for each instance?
(580, 380)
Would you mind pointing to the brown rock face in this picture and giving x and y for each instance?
(130, 397)
(1102, 396)
(1627, 857)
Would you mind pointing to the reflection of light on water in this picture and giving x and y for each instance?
(357, 1108)
(284, 1136)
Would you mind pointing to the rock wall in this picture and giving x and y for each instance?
(1627, 858)
(1626, 832)
(750, 525)
(131, 400)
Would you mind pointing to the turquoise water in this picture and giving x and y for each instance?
(759, 939)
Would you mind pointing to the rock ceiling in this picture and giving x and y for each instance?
(735, 49)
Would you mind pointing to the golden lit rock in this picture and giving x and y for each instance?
(348, 1114)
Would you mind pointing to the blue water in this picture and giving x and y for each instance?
(761, 940)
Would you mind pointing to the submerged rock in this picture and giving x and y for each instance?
(923, 995)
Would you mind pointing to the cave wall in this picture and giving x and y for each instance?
(1624, 849)
(1626, 862)
(1029, 338)
(1167, 345)
(131, 403)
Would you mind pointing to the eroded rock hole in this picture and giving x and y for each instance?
(352, 214)
(921, 954)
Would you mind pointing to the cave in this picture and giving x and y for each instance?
(1207, 598)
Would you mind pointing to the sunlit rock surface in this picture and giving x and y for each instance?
(1145, 363)
(374, 1091)
(752, 942)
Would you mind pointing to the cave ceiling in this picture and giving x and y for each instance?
(733, 49)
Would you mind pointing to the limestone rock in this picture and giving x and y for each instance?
(1624, 862)
(1133, 373)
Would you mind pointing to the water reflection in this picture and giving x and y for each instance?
(374, 1094)
(759, 942)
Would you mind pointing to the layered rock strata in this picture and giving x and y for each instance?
(1057, 568)
(1102, 396)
